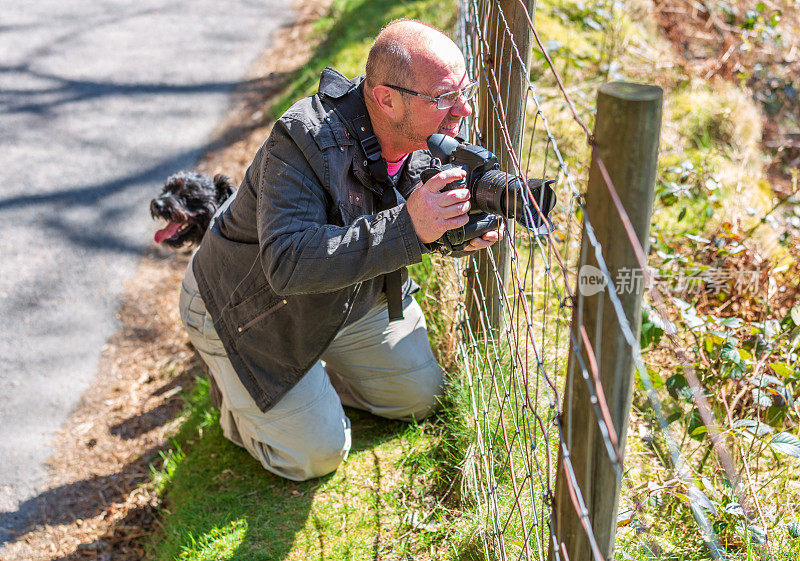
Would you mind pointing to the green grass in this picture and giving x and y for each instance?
(220, 503)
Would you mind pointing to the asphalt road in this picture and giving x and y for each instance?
(100, 100)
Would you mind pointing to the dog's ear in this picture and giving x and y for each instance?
(224, 186)
(174, 183)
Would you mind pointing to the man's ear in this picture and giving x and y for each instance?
(387, 100)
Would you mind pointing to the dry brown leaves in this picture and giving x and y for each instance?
(99, 501)
(753, 288)
(711, 41)
(730, 277)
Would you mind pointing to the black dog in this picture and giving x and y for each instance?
(187, 203)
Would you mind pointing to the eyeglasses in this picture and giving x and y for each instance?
(445, 100)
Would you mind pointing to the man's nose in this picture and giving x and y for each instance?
(461, 108)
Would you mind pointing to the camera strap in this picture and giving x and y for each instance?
(354, 111)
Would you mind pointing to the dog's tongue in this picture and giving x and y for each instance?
(167, 232)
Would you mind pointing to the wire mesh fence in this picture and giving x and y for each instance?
(535, 342)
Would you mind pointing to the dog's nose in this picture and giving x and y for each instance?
(156, 206)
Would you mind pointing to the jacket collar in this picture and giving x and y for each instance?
(333, 83)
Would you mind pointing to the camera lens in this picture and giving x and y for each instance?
(525, 211)
(490, 192)
(501, 193)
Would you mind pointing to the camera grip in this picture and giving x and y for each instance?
(479, 224)
(427, 174)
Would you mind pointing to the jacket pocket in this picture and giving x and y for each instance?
(252, 301)
(245, 325)
(353, 201)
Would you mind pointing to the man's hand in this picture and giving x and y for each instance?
(484, 241)
(432, 212)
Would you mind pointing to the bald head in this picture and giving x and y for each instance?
(406, 48)
(410, 66)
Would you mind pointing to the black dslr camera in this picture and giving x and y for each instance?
(494, 194)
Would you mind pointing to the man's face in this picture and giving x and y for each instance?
(421, 117)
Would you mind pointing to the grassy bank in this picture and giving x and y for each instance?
(408, 491)
(218, 503)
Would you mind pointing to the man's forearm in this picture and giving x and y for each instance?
(327, 258)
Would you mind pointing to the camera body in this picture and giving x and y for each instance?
(494, 194)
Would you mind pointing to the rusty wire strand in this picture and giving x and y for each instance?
(600, 405)
(514, 412)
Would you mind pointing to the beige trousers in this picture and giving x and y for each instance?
(385, 368)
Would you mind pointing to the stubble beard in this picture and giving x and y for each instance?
(416, 139)
(413, 138)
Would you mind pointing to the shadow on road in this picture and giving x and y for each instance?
(105, 495)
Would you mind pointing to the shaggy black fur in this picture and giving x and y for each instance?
(187, 203)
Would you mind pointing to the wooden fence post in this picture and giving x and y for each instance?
(626, 137)
(499, 68)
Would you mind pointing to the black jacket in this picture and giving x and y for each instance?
(300, 250)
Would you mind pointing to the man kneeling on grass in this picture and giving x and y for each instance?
(297, 298)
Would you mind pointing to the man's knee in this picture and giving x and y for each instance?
(423, 397)
(325, 460)
(313, 457)
(426, 406)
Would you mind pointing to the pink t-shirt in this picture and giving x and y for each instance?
(394, 167)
